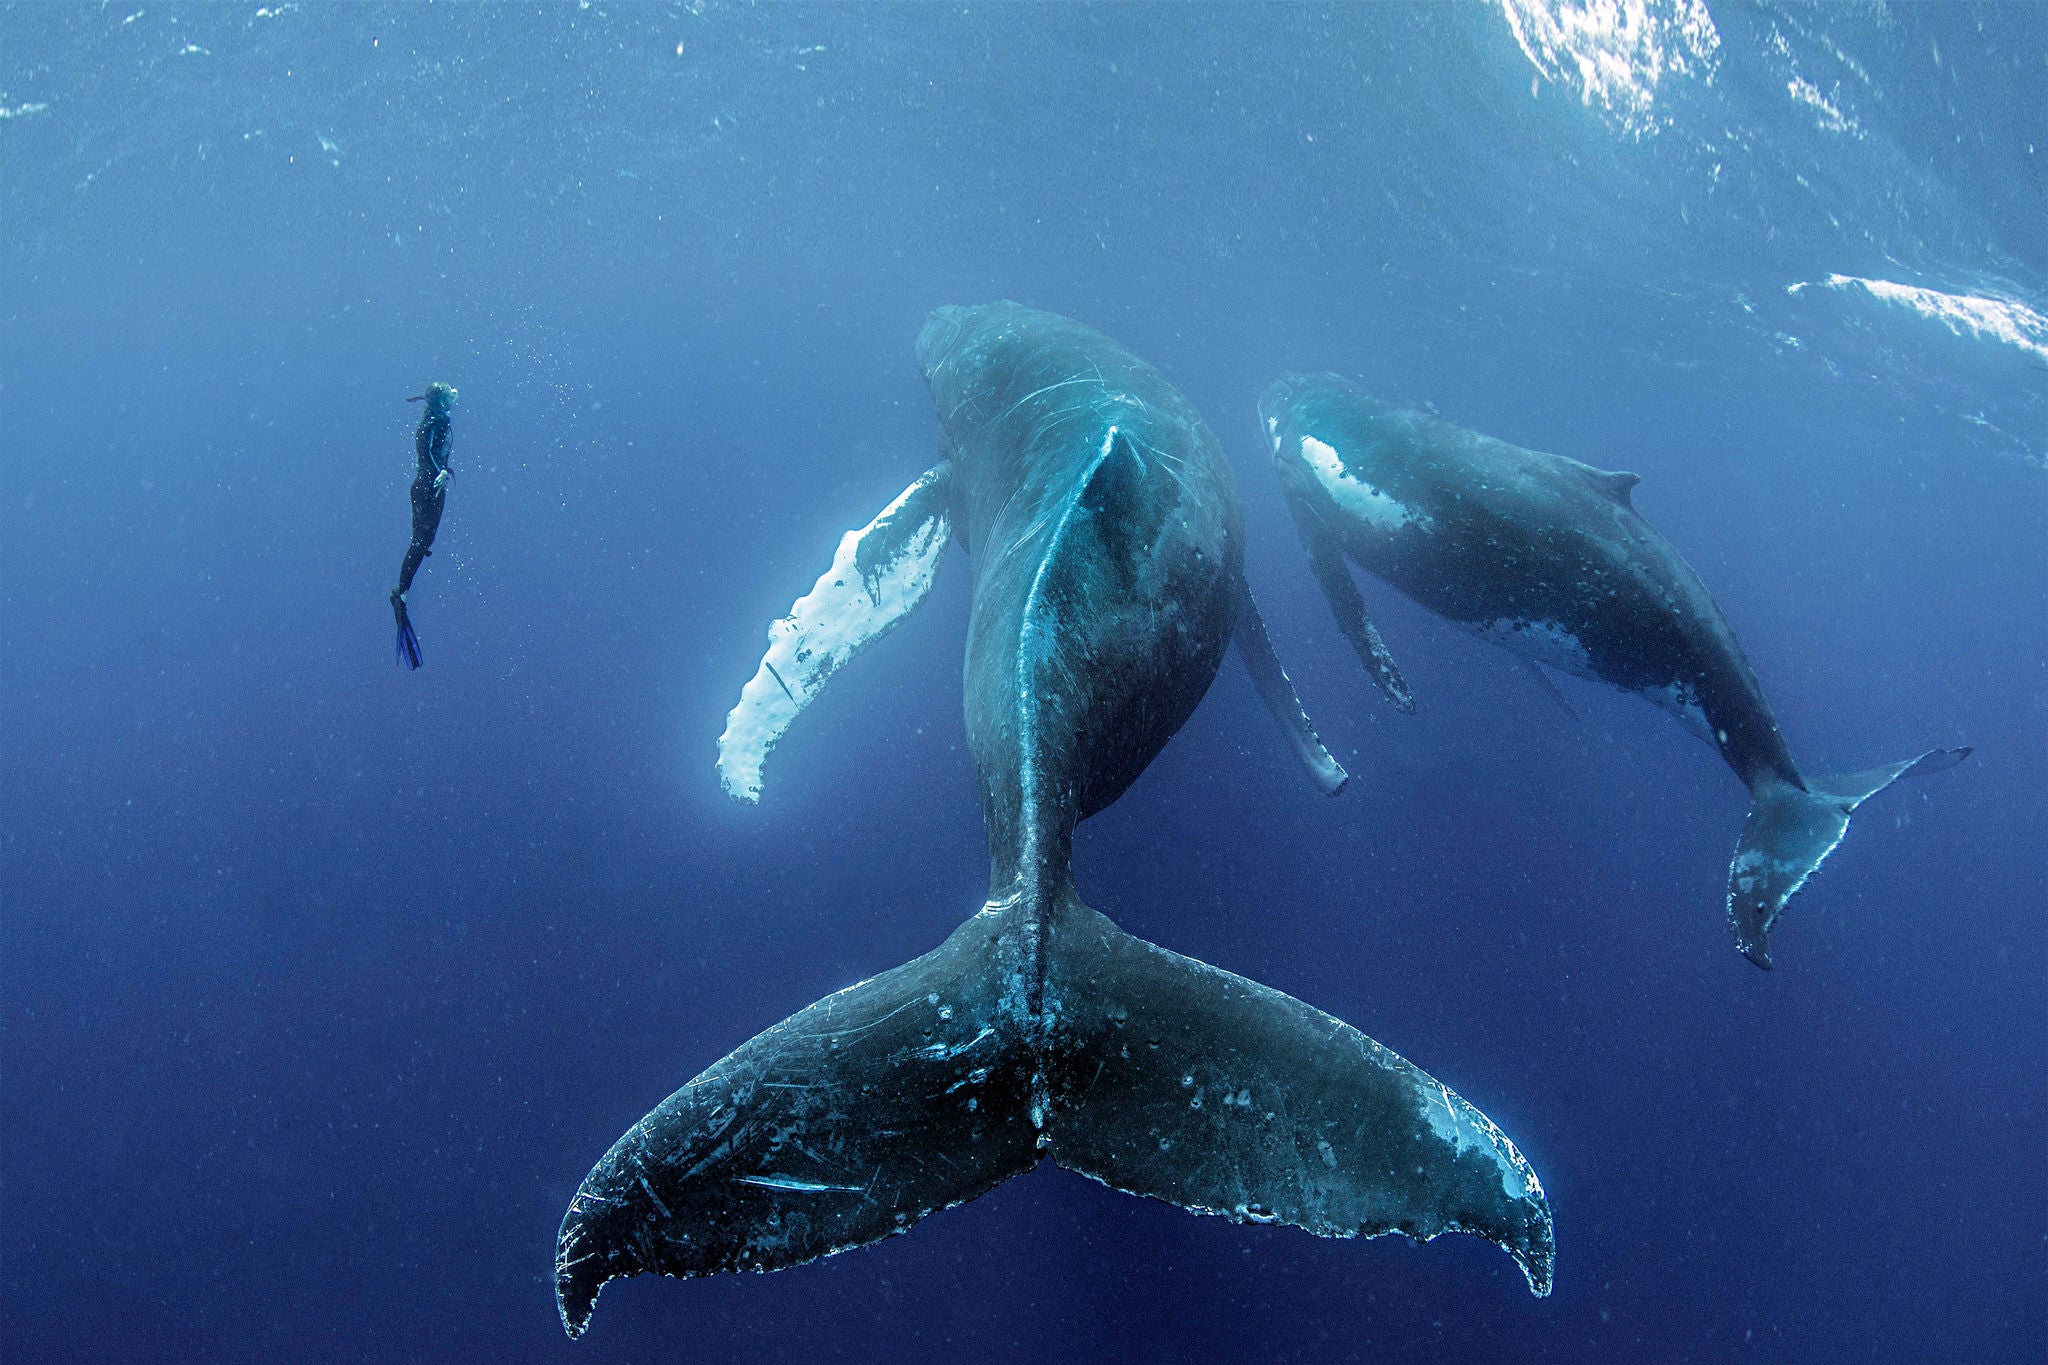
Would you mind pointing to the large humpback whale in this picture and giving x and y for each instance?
(1103, 531)
(1548, 558)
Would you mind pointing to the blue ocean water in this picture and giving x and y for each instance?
(322, 983)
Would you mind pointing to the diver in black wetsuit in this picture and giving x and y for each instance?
(429, 493)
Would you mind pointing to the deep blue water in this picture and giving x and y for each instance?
(323, 983)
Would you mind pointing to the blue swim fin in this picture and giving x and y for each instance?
(408, 643)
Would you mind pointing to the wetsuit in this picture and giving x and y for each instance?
(429, 494)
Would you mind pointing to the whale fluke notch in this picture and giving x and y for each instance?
(878, 576)
(1789, 834)
(930, 1084)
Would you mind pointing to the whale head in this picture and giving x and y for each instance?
(1274, 403)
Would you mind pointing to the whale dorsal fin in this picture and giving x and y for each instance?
(878, 576)
(1616, 484)
(1125, 522)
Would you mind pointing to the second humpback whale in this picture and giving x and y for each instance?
(1104, 535)
(1549, 558)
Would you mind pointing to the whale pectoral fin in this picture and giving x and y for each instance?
(1255, 647)
(1789, 834)
(1186, 1083)
(1548, 684)
(878, 576)
(1326, 560)
(843, 1124)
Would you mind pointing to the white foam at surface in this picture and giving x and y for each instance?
(1967, 315)
(1614, 53)
(1832, 119)
(842, 613)
(1355, 495)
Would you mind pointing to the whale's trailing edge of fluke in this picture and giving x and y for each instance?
(933, 1083)
(1789, 834)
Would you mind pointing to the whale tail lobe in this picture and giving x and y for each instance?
(932, 1083)
(1791, 832)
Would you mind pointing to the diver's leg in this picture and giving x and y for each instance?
(427, 502)
(414, 556)
(427, 505)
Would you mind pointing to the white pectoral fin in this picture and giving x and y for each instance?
(878, 576)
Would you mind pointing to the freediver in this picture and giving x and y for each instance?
(429, 494)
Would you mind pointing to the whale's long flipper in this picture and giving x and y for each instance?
(932, 1083)
(1255, 647)
(1184, 1082)
(839, 1126)
(878, 576)
(1790, 832)
(1326, 560)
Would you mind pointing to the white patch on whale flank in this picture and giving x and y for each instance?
(1546, 642)
(1682, 700)
(1355, 496)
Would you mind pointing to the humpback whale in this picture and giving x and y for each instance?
(1103, 531)
(1548, 558)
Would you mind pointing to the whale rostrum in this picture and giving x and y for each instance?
(1549, 558)
(1105, 545)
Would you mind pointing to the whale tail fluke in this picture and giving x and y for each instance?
(1190, 1084)
(1791, 832)
(930, 1084)
(843, 1124)
(408, 643)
